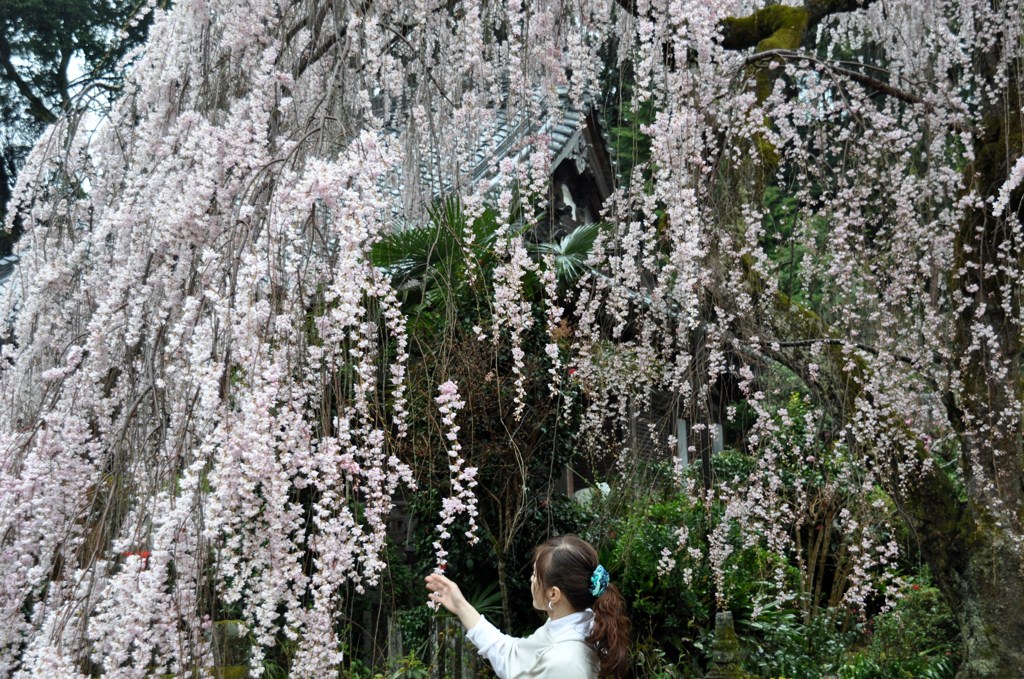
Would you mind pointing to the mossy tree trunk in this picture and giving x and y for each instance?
(985, 580)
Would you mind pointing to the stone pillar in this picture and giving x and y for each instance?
(395, 646)
(725, 651)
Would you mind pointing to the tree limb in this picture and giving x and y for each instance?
(781, 26)
(776, 26)
(866, 81)
(62, 78)
(839, 342)
(36, 105)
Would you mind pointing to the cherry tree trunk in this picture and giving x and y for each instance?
(979, 570)
(985, 581)
(989, 600)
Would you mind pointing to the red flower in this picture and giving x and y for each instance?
(915, 587)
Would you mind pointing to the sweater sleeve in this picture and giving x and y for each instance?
(491, 644)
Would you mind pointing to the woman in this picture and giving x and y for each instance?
(586, 634)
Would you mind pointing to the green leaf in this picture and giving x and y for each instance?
(570, 253)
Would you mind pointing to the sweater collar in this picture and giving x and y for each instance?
(573, 626)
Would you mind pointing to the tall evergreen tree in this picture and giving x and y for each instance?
(54, 53)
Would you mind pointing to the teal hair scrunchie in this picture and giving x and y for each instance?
(599, 581)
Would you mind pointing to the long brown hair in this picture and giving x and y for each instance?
(567, 562)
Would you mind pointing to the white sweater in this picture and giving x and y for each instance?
(557, 650)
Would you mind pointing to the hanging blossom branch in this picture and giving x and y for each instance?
(554, 314)
(463, 479)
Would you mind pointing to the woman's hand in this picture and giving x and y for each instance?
(448, 594)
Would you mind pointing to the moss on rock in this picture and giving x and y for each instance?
(725, 651)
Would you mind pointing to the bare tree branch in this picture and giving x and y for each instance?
(867, 81)
(871, 83)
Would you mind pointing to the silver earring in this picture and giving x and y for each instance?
(551, 605)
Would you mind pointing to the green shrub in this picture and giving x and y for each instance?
(917, 639)
(778, 643)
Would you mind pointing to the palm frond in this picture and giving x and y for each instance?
(571, 252)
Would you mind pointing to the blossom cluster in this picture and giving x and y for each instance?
(463, 479)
